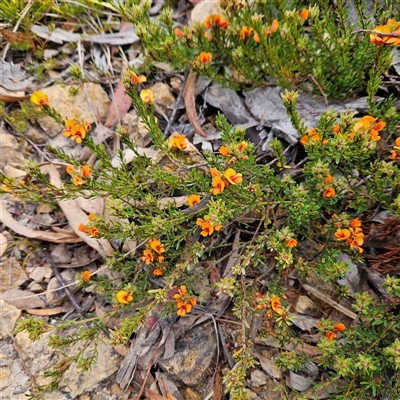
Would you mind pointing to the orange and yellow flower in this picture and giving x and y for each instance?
(392, 27)
(331, 335)
(77, 180)
(355, 223)
(232, 176)
(291, 243)
(178, 33)
(243, 146)
(39, 99)
(218, 185)
(342, 234)
(329, 193)
(70, 169)
(339, 327)
(124, 297)
(147, 96)
(94, 232)
(216, 20)
(147, 256)
(75, 130)
(193, 199)
(82, 228)
(204, 57)
(276, 305)
(184, 302)
(177, 142)
(135, 79)
(158, 272)
(157, 246)
(304, 14)
(272, 29)
(86, 171)
(245, 32)
(86, 276)
(223, 151)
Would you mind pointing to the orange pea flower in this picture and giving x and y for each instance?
(185, 308)
(39, 99)
(331, 335)
(363, 123)
(178, 33)
(304, 14)
(124, 297)
(329, 193)
(86, 171)
(355, 223)
(214, 172)
(193, 199)
(339, 327)
(291, 243)
(177, 142)
(158, 272)
(272, 29)
(136, 79)
(86, 276)
(181, 292)
(245, 32)
(256, 37)
(147, 96)
(223, 151)
(394, 155)
(204, 57)
(69, 123)
(147, 256)
(342, 234)
(336, 128)
(304, 140)
(276, 305)
(206, 226)
(82, 228)
(157, 246)
(70, 169)
(233, 176)
(328, 178)
(216, 20)
(160, 258)
(218, 185)
(77, 181)
(94, 232)
(91, 216)
(243, 146)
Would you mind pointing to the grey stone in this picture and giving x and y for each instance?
(305, 305)
(258, 378)
(11, 151)
(8, 317)
(35, 135)
(61, 254)
(194, 355)
(58, 297)
(267, 358)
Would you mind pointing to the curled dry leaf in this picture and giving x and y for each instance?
(45, 311)
(76, 216)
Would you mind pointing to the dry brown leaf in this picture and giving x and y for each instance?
(47, 236)
(19, 38)
(121, 102)
(150, 395)
(22, 299)
(95, 206)
(3, 244)
(45, 311)
(75, 216)
(190, 102)
(10, 97)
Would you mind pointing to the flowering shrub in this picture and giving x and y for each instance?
(251, 43)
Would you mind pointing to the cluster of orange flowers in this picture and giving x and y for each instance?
(395, 153)
(208, 226)
(312, 136)
(353, 235)
(215, 20)
(219, 182)
(204, 57)
(177, 141)
(76, 130)
(275, 303)
(39, 99)
(89, 231)
(135, 80)
(339, 327)
(391, 33)
(184, 302)
(79, 175)
(154, 251)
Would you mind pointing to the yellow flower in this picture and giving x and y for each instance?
(147, 96)
(342, 234)
(177, 142)
(124, 297)
(77, 181)
(181, 292)
(218, 185)
(193, 199)
(40, 99)
(243, 146)
(233, 176)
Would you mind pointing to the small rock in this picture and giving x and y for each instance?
(306, 306)
(302, 382)
(35, 135)
(258, 378)
(45, 219)
(13, 172)
(81, 105)
(163, 96)
(11, 151)
(61, 254)
(176, 83)
(35, 287)
(58, 297)
(191, 395)
(11, 274)
(267, 357)
(250, 394)
(37, 274)
(8, 318)
(194, 354)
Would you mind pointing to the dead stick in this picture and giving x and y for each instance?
(61, 281)
(329, 301)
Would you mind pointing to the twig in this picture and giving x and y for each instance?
(329, 301)
(380, 34)
(320, 89)
(60, 279)
(176, 105)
